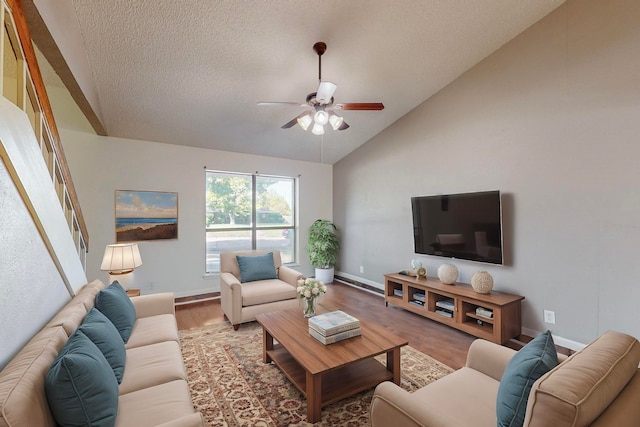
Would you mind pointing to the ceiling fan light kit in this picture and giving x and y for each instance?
(305, 120)
(324, 95)
(335, 120)
(320, 101)
(321, 117)
(318, 129)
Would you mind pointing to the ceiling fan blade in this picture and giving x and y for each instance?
(294, 121)
(325, 92)
(343, 126)
(290, 124)
(369, 106)
(281, 103)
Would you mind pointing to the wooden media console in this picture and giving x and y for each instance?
(458, 306)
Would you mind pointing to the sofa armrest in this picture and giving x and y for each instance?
(289, 275)
(391, 405)
(489, 358)
(192, 420)
(154, 304)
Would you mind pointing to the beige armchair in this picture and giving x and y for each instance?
(242, 301)
(597, 386)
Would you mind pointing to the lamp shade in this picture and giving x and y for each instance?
(121, 258)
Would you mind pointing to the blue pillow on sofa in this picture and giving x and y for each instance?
(531, 362)
(260, 267)
(80, 385)
(114, 303)
(99, 329)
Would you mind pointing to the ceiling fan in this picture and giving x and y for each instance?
(320, 105)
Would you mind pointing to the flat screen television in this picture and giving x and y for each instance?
(464, 226)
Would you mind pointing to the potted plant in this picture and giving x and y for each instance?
(323, 246)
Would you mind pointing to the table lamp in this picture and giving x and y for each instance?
(120, 259)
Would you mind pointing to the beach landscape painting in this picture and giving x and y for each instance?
(146, 215)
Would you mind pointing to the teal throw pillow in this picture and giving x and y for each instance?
(106, 337)
(254, 268)
(80, 385)
(531, 362)
(114, 303)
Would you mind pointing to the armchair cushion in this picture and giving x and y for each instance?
(530, 363)
(266, 291)
(259, 267)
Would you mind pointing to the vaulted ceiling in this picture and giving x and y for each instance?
(190, 72)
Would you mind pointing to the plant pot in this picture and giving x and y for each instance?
(325, 275)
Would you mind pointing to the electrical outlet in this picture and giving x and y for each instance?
(362, 269)
(550, 317)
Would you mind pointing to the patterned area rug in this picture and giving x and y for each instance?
(231, 386)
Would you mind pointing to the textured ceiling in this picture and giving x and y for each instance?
(191, 71)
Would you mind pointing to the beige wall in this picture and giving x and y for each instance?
(101, 165)
(552, 120)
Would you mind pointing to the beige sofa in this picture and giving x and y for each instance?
(242, 301)
(597, 386)
(153, 391)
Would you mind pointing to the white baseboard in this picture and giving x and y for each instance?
(197, 300)
(361, 280)
(562, 342)
(195, 292)
(360, 288)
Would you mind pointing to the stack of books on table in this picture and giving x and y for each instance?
(333, 327)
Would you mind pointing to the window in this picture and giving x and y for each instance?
(249, 212)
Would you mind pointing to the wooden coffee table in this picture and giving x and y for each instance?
(328, 373)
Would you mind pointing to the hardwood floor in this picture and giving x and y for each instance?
(441, 342)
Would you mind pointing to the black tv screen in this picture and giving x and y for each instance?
(464, 226)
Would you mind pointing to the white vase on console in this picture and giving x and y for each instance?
(448, 274)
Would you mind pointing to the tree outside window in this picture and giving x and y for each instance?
(248, 212)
